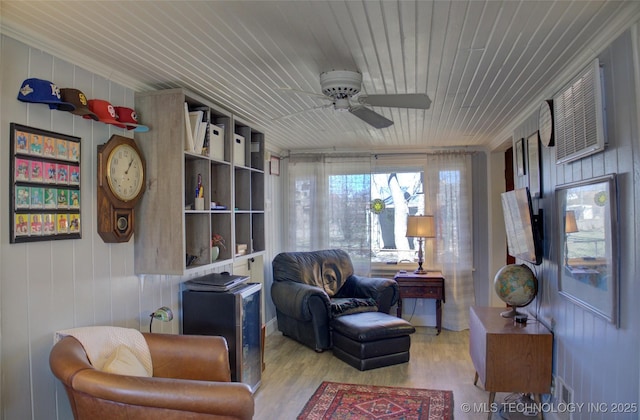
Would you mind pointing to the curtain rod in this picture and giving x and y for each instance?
(349, 153)
(434, 152)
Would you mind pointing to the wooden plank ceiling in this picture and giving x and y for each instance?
(482, 63)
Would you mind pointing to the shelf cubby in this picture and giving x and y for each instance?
(169, 229)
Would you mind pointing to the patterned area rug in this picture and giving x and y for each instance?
(334, 400)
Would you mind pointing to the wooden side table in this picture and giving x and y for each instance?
(422, 286)
(509, 358)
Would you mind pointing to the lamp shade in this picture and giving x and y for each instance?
(570, 225)
(421, 227)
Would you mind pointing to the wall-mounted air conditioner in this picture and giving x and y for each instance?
(579, 116)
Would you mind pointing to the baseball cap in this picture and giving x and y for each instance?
(40, 91)
(79, 100)
(129, 119)
(104, 111)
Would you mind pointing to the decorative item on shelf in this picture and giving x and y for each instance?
(40, 91)
(420, 227)
(517, 286)
(164, 314)
(199, 198)
(191, 259)
(79, 100)
(217, 241)
(215, 253)
(217, 206)
(520, 320)
(216, 141)
(104, 110)
(129, 119)
(241, 249)
(238, 150)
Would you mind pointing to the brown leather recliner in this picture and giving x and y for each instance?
(191, 379)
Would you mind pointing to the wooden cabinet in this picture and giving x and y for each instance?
(173, 235)
(509, 358)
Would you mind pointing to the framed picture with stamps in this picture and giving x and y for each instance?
(45, 185)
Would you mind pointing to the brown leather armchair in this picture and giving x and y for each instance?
(191, 379)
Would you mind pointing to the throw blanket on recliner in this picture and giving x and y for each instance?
(100, 342)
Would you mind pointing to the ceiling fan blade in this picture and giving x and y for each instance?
(370, 117)
(303, 92)
(301, 112)
(402, 100)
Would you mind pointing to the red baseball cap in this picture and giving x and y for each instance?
(129, 119)
(104, 110)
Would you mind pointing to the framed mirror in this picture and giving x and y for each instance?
(588, 238)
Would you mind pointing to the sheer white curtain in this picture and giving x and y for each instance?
(448, 198)
(329, 198)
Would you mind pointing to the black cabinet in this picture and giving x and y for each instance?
(235, 315)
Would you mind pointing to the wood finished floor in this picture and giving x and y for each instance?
(293, 372)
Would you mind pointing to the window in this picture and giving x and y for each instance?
(348, 215)
(332, 205)
(401, 194)
(350, 220)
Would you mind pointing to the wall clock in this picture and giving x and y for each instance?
(121, 181)
(545, 123)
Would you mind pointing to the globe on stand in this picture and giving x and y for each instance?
(517, 286)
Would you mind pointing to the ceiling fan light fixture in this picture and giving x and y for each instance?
(340, 87)
(340, 83)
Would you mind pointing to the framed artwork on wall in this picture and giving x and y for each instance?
(533, 159)
(44, 185)
(520, 169)
(588, 251)
(274, 165)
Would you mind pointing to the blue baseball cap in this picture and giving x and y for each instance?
(39, 91)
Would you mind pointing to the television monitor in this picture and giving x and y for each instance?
(522, 227)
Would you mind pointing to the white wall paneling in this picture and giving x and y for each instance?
(594, 358)
(54, 285)
(48, 286)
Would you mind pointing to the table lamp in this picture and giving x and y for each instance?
(420, 227)
(570, 226)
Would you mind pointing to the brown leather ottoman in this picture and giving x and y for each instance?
(371, 340)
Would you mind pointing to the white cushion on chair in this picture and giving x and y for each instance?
(123, 362)
(100, 342)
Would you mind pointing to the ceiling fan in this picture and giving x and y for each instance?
(342, 88)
